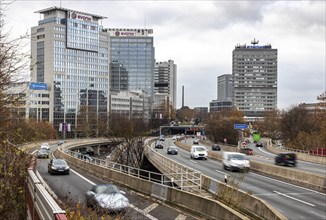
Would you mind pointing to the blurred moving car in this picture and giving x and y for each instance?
(247, 151)
(43, 153)
(196, 141)
(171, 150)
(235, 161)
(286, 159)
(58, 166)
(174, 138)
(198, 152)
(106, 198)
(259, 144)
(159, 144)
(45, 146)
(216, 147)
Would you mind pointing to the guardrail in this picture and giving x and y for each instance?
(40, 204)
(192, 202)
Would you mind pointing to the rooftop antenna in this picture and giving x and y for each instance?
(254, 42)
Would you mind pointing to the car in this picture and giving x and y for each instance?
(159, 144)
(87, 150)
(286, 159)
(174, 138)
(196, 141)
(85, 157)
(235, 161)
(259, 144)
(43, 153)
(162, 137)
(247, 151)
(61, 142)
(216, 147)
(198, 152)
(106, 198)
(45, 146)
(171, 150)
(58, 166)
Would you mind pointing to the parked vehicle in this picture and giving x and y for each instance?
(45, 146)
(235, 161)
(159, 145)
(216, 147)
(198, 152)
(58, 166)
(247, 151)
(259, 144)
(171, 150)
(43, 153)
(106, 199)
(286, 159)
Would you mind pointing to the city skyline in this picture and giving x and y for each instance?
(200, 37)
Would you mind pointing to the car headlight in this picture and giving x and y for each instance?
(53, 168)
(67, 168)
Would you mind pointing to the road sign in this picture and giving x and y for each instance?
(240, 126)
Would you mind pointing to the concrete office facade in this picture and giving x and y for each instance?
(254, 72)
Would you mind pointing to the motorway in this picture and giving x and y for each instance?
(71, 189)
(293, 201)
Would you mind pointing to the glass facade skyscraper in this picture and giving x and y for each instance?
(70, 53)
(132, 60)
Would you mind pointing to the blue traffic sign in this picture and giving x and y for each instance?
(240, 126)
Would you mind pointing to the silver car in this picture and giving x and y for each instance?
(106, 199)
(42, 153)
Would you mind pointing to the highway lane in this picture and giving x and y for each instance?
(263, 155)
(71, 189)
(293, 201)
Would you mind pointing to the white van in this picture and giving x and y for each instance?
(235, 161)
(198, 151)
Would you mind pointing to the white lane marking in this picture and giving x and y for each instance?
(289, 184)
(34, 151)
(142, 212)
(266, 152)
(180, 217)
(84, 178)
(191, 160)
(150, 208)
(290, 197)
(221, 172)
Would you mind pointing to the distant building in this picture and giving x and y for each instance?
(224, 94)
(165, 81)
(254, 71)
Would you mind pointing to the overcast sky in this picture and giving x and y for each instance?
(200, 36)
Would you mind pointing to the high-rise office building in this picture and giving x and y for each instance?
(70, 55)
(224, 87)
(224, 94)
(165, 80)
(132, 59)
(254, 71)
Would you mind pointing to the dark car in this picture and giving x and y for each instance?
(216, 147)
(106, 198)
(259, 144)
(247, 151)
(159, 144)
(286, 159)
(171, 150)
(196, 141)
(58, 166)
(87, 150)
(43, 153)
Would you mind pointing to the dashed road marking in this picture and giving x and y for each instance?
(150, 208)
(180, 217)
(290, 197)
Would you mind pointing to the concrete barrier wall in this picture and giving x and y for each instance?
(296, 176)
(300, 156)
(247, 203)
(193, 203)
